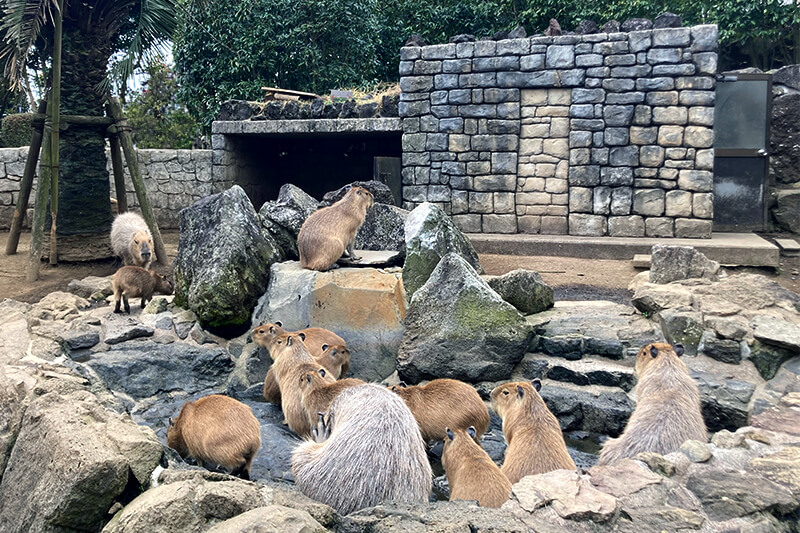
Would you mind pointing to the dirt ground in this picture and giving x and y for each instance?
(572, 278)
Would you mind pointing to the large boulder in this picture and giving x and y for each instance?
(383, 229)
(283, 218)
(673, 263)
(223, 259)
(72, 459)
(364, 306)
(380, 191)
(785, 138)
(525, 290)
(430, 235)
(458, 327)
(787, 210)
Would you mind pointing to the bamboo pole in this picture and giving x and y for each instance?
(81, 120)
(55, 131)
(26, 185)
(40, 211)
(119, 173)
(124, 133)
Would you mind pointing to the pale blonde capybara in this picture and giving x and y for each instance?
(471, 473)
(367, 451)
(319, 390)
(444, 403)
(330, 232)
(667, 410)
(134, 282)
(535, 442)
(217, 431)
(289, 354)
(131, 240)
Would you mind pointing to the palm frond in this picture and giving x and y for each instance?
(22, 24)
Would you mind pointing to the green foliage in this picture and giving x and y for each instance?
(157, 118)
(16, 130)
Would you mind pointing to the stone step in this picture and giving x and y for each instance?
(789, 247)
(583, 372)
(641, 261)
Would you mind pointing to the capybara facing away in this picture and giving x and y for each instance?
(444, 403)
(471, 473)
(218, 432)
(535, 442)
(367, 451)
(330, 232)
(667, 410)
(133, 282)
(131, 240)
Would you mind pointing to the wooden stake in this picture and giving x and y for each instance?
(40, 210)
(124, 133)
(55, 131)
(26, 185)
(119, 174)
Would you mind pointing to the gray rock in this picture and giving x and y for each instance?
(696, 451)
(684, 327)
(121, 329)
(587, 27)
(787, 210)
(788, 76)
(612, 26)
(668, 20)
(156, 305)
(223, 259)
(430, 235)
(383, 229)
(524, 289)
(672, 263)
(90, 285)
(458, 327)
(593, 408)
(291, 209)
(636, 24)
(725, 402)
(381, 192)
(724, 350)
(587, 371)
(269, 520)
(768, 357)
(785, 149)
(517, 33)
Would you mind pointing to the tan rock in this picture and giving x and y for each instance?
(623, 478)
(571, 496)
(271, 519)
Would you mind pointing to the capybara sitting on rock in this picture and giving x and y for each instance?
(330, 232)
(133, 282)
(471, 473)
(535, 442)
(367, 451)
(131, 240)
(289, 353)
(667, 407)
(219, 432)
(444, 403)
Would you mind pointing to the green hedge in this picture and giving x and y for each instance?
(16, 130)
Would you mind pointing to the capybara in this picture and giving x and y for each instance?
(134, 281)
(289, 353)
(471, 473)
(330, 232)
(445, 403)
(131, 240)
(667, 407)
(319, 389)
(535, 442)
(218, 432)
(367, 451)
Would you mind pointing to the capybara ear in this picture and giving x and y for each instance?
(307, 377)
(324, 347)
(302, 336)
(471, 432)
(321, 372)
(678, 349)
(520, 391)
(450, 434)
(171, 422)
(271, 330)
(279, 323)
(402, 384)
(289, 340)
(654, 351)
(537, 384)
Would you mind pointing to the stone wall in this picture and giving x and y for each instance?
(602, 134)
(174, 179)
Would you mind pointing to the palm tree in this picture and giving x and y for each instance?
(93, 30)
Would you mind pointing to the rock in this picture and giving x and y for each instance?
(696, 451)
(684, 327)
(553, 29)
(517, 33)
(58, 305)
(437, 516)
(651, 298)
(587, 27)
(13, 403)
(782, 467)
(90, 285)
(415, 40)
(777, 332)
(381, 192)
(785, 143)
(184, 322)
(787, 209)
(657, 463)
(223, 259)
(725, 402)
(383, 259)
(73, 336)
(728, 440)
(768, 358)
(752, 292)
(365, 306)
(383, 229)
(235, 110)
(788, 76)
(724, 350)
(571, 496)
(121, 329)
(623, 478)
(593, 408)
(458, 327)
(525, 290)
(500, 35)
(290, 210)
(15, 335)
(784, 417)
(667, 20)
(429, 236)
(462, 38)
(587, 371)
(612, 26)
(71, 460)
(672, 263)
(156, 305)
(271, 519)
(636, 24)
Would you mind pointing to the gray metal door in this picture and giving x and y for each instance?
(741, 151)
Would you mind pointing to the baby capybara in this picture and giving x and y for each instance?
(134, 281)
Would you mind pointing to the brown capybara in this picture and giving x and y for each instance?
(289, 354)
(218, 432)
(131, 240)
(667, 407)
(330, 232)
(535, 442)
(471, 473)
(366, 451)
(444, 403)
(319, 390)
(134, 281)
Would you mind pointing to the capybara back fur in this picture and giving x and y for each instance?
(134, 282)
(535, 442)
(131, 240)
(374, 453)
(444, 403)
(328, 232)
(289, 353)
(217, 430)
(471, 473)
(320, 391)
(667, 410)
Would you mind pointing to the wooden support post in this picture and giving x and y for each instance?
(119, 173)
(123, 131)
(55, 110)
(40, 210)
(26, 185)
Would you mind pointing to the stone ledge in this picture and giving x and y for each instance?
(321, 125)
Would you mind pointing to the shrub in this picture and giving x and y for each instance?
(16, 130)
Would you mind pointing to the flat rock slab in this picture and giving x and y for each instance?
(641, 261)
(373, 258)
(789, 247)
(123, 329)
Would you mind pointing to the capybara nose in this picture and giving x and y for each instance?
(145, 255)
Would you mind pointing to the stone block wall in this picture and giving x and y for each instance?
(601, 134)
